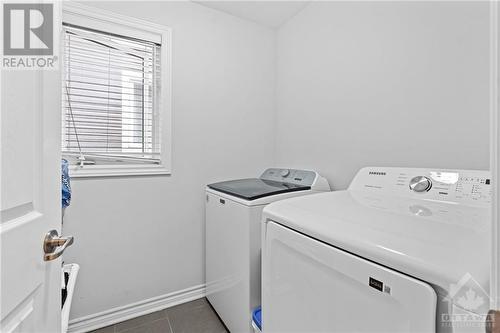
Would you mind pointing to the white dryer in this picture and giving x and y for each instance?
(233, 238)
(402, 250)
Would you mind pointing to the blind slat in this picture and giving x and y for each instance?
(106, 45)
(84, 119)
(108, 115)
(121, 93)
(86, 97)
(146, 83)
(110, 72)
(71, 83)
(105, 114)
(84, 53)
(141, 68)
(96, 53)
(114, 105)
(124, 150)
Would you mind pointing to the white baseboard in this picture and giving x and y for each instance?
(122, 313)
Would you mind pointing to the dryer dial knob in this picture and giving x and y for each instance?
(285, 172)
(420, 184)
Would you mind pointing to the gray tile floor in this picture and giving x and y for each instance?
(192, 317)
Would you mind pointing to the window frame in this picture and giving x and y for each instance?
(85, 16)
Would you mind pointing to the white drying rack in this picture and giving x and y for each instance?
(72, 270)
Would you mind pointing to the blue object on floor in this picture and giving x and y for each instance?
(66, 187)
(257, 317)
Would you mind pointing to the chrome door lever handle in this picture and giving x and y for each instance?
(54, 246)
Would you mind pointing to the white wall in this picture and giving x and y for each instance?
(142, 237)
(383, 83)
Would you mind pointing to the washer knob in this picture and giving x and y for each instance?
(420, 184)
(285, 172)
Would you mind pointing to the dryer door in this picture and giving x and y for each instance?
(309, 286)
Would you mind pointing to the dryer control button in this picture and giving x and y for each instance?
(420, 184)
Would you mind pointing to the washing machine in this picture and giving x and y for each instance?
(233, 238)
(401, 250)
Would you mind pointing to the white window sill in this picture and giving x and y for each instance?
(89, 171)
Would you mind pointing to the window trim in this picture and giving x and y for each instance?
(91, 17)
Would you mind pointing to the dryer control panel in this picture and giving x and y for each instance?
(471, 187)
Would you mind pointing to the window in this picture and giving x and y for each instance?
(113, 88)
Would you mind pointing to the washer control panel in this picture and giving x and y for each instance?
(460, 186)
(294, 176)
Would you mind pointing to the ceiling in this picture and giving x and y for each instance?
(269, 13)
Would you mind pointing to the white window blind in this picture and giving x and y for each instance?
(111, 91)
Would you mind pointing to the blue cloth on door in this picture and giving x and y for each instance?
(257, 317)
(66, 186)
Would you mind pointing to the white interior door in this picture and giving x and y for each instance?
(30, 200)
